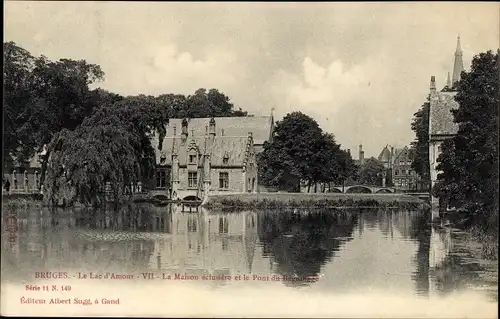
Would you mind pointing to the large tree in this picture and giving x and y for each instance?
(18, 66)
(111, 147)
(44, 97)
(301, 152)
(469, 161)
(288, 160)
(420, 146)
(371, 172)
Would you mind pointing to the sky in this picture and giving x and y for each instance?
(361, 70)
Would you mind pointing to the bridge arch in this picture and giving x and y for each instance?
(384, 190)
(159, 197)
(358, 189)
(191, 198)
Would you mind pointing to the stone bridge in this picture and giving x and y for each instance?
(362, 189)
(164, 194)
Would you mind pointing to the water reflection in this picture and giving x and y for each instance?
(356, 249)
(300, 242)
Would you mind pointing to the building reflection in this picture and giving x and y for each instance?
(206, 243)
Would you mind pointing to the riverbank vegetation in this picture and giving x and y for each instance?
(305, 200)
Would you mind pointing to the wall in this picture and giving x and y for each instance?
(31, 175)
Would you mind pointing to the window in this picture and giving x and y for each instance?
(225, 160)
(192, 159)
(224, 180)
(161, 179)
(223, 225)
(192, 179)
(396, 172)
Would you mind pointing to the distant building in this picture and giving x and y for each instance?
(361, 156)
(403, 176)
(397, 162)
(24, 177)
(210, 155)
(441, 124)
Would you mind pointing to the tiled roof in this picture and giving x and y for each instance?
(399, 152)
(385, 155)
(234, 147)
(441, 119)
(260, 126)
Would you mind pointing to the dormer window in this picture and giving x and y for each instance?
(163, 158)
(192, 159)
(225, 159)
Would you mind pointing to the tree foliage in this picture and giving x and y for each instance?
(108, 148)
(371, 172)
(42, 98)
(200, 104)
(300, 151)
(420, 146)
(469, 161)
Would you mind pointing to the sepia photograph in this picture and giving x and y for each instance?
(250, 159)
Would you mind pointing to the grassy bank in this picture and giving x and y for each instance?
(481, 229)
(307, 200)
(487, 240)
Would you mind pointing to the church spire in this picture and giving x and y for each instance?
(458, 66)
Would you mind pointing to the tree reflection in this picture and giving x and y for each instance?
(300, 243)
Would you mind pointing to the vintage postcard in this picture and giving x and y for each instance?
(170, 159)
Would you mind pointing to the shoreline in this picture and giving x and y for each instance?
(312, 200)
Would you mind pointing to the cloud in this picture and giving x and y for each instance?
(327, 85)
(165, 69)
(361, 70)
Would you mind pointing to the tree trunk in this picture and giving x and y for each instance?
(315, 187)
(309, 186)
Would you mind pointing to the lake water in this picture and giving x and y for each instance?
(162, 261)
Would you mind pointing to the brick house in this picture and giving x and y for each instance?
(397, 163)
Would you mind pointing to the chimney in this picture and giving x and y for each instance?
(433, 84)
(448, 81)
(349, 151)
(184, 130)
(392, 156)
(361, 155)
(211, 130)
